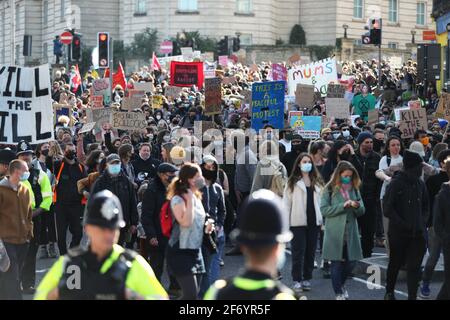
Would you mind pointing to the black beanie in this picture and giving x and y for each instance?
(411, 159)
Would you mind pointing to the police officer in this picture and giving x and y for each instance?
(105, 270)
(40, 189)
(261, 234)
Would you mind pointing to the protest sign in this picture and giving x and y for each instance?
(100, 87)
(99, 116)
(157, 101)
(213, 96)
(411, 121)
(294, 116)
(172, 92)
(97, 102)
(62, 110)
(304, 96)
(397, 112)
(133, 100)
(443, 109)
(144, 86)
(335, 91)
(209, 70)
(268, 104)
(319, 74)
(131, 121)
(223, 61)
(87, 127)
(414, 105)
(337, 108)
(186, 74)
(309, 126)
(187, 53)
(373, 117)
(278, 72)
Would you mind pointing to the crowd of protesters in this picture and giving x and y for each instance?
(356, 187)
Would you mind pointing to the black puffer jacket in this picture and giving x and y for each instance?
(406, 205)
(441, 212)
(371, 185)
(153, 200)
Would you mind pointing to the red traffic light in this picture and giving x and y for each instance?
(103, 37)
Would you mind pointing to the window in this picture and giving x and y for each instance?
(244, 6)
(392, 45)
(17, 16)
(187, 5)
(393, 10)
(45, 13)
(421, 14)
(141, 7)
(45, 51)
(17, 53)
(358, 9)
(246, 39)
(63, 10)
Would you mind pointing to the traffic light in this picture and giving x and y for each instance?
(236, 44)
(103, 49)
(76, 47)
(222, 46)
(375, 31)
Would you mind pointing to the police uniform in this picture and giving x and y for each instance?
(108, 279)
(261, 224)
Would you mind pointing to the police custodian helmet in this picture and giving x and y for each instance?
(262, 222)
(104, 210)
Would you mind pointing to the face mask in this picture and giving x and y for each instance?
(199, 183)
(45, 152)
(297, 148)
(158, 117)
(166, 138)
(114, 169)
(345, 156)
(346, 180)
(281, 259)
(346, 133)
(208, 174)
(70, 155)
(150, 137)
(336, 135)
(378, 145)
(306, 167)
(25, 176)
(425, 141)
(288, 136)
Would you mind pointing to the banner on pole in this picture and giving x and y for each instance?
(186, 74)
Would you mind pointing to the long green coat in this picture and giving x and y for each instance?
(332, 208)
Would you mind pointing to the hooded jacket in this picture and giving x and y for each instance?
(441, 212)
(406, 204)
(213, 199)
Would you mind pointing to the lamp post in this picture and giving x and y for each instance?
(345, 26)
(447, 65)
(413, 33)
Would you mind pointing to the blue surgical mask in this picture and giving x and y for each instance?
(25, 176)
(346, 133)
(114, 169)
(306, 167)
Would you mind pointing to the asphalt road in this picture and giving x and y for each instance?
(321, 288)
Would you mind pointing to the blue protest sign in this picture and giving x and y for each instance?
(308, 126)
(268, 104)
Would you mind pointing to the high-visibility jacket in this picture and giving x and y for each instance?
(133, 273)
(41, 182)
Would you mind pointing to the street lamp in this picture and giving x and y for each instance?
(413, 33)
(345, 26)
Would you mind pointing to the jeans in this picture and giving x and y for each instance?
(10, 280)
(340, 271)
(444, 293)
(204, 283)
(367, 224)
(303, 246)
(47, 232)
(68, 216)
(411, 251)
(214, 270)
(434, 249)
(28, 274)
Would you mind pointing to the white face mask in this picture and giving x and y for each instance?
(346, 133)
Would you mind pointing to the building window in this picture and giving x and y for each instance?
(63, 10)
(45, 13)
(392, 45)
(421, 14)
(17, 53)
(393, 11)
(17, 16)
(246, 39)
(187, 5)
(358, 9)
(140, 7)
(45, 51)
(244, 6)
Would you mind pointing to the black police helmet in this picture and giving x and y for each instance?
(104, 210)
(262, 222)
(24, 147)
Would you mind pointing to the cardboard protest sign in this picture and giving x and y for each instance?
(87, 127)
(443, 109)
(172, 92)
(247, 96)
(187, 53)
(325, 121)
(213, 96)
(209, 69)
(223, 61)
(186, 74)
(304, 96)
(411, 121)
(294, 117)
(99, 116)
(128, 120)
(97, 102)
(337, 108)
(319, 74)
(26, 105)
(335, 91)
(268, 104)
(62, 110)
(144, 86)
(157, 101)
(373, 117)
(279, 72)
(397, 112)
(133, 100)
(309, 126)
(101, 87)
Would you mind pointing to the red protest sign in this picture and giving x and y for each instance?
(97, 102)
(186, 74)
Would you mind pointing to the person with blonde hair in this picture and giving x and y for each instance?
(341, 204)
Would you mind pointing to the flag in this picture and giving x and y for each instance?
(75, 80)
(119, 78)
(155, 63)
(106, 74)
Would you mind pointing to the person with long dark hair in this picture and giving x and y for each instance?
(301, 200)
(341, 151)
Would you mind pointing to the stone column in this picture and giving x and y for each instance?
(347, 49)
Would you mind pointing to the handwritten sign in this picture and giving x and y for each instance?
(144, 86)
(97, 102)
(223, 61)
(87, 127)
(443, 109)
(304, 96)
(186, 74)
(337, 108)
(129, 120)
(411, 121)
(309, 127)
(99, 116)
(268, 104)
(157, 101)
(335, 91)
(279, 72)
(373, 117)
(173, 92)
(101, 87)
(133, 100)
(187, 53)
(213, 96)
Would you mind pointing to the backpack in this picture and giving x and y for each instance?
(166, 219)
(279, 181)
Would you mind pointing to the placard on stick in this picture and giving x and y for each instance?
(304, 95)
(213, 96)
(87, 127)
(128, 120)
(337, 108)
(411, 121)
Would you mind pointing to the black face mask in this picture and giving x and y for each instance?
(45, 152)
(378, 145)
(208, 174)
(297, 148)
(346, 156)
(70, 155)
